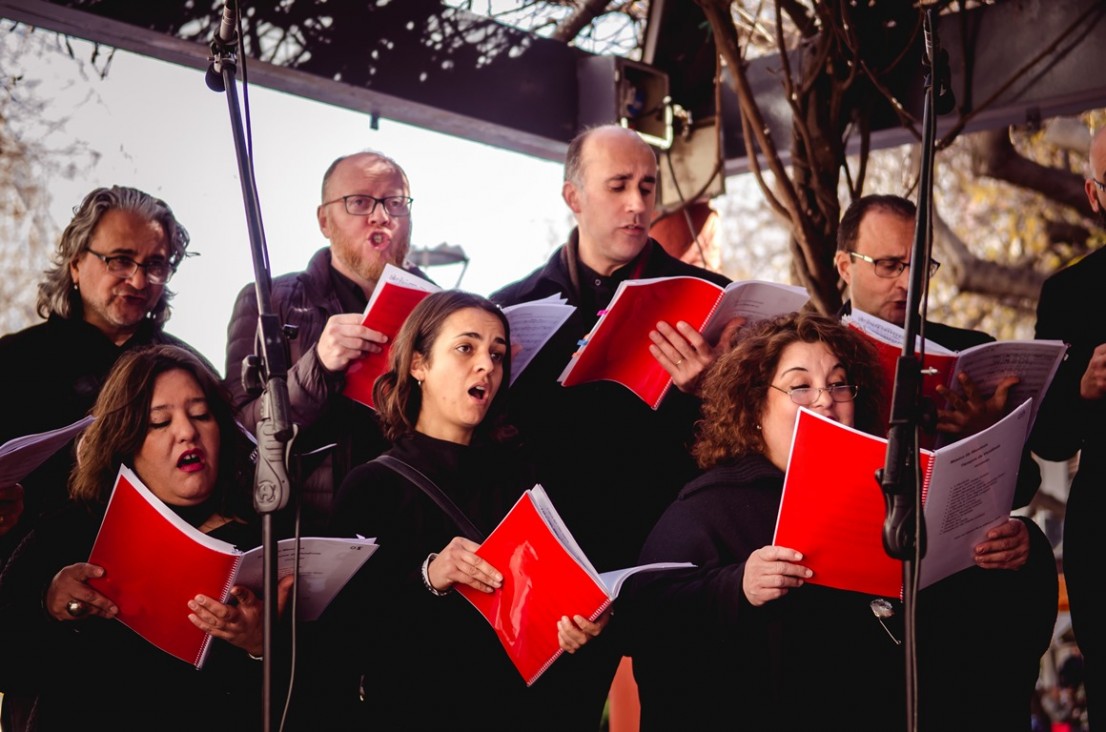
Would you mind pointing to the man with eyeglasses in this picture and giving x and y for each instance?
(1012, 590)
(1072, 420)
(105, 293)
(365, 213)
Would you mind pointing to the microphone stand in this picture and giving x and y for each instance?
(269, 366)
(900, 480)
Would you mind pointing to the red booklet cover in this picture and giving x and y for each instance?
(617, 349)
(154, 563)
(1034, 362)
(546, 576)
(832, 509)
(396, 295)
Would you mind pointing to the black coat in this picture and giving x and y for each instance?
(428, 662)
(99, 674)
(53, 372)
(609, 463)
(704, 658)
(1067, 424)
(306, 300)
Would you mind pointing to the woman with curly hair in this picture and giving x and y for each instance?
(743, 642)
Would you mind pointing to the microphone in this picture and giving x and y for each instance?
(228, 35)
(223, 44)
(944, 101)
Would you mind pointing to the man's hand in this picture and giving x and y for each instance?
(685, 354)
(11, 506)
(1005, 547)
(965, 415)
(1093, 384)
(344, 340)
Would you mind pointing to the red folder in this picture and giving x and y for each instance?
(833, 509)
(386, 313)
(546, 576)
(154, 563)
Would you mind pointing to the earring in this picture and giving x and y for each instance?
(758, 428)
(76, 288)
(419, 382)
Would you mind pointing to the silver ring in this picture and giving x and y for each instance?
(76, 608)
(677, 363)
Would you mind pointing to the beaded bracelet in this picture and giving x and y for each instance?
(426, 576)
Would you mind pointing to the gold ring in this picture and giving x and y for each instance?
(76, 608)
(677, 363)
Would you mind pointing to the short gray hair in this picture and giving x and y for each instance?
(56, 294)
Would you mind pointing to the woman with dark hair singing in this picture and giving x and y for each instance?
(429, 659)
(164, 414)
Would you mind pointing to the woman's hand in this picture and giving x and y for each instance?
(241, 624)
(70, 597)
(1006, 547)
(574, 633)
(459, 564)
(770, 572)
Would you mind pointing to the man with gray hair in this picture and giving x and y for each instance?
(106, 293)
(365, 213)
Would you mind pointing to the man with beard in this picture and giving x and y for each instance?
(1072, 419)
(365, 213)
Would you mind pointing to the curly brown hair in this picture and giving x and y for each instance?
(734, 391)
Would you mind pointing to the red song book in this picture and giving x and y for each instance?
(155, 562)
(832, 509)
(617, 349)
(1034, 362)
(396, 294)
(546, 576)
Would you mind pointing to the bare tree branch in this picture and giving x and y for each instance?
(974, 274)
(995, 156)
(571, 26)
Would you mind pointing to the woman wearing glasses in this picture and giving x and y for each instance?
(745, 634)
(743, 640)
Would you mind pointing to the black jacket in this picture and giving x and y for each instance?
(306, 300)
(1066, 424)
(609, 463)
(52, 374)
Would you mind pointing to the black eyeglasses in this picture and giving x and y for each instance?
(804, 396)
(892, 268)
(359, 204)
(158, 271)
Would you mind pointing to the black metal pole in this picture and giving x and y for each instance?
(269, 366)
(900, 479)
